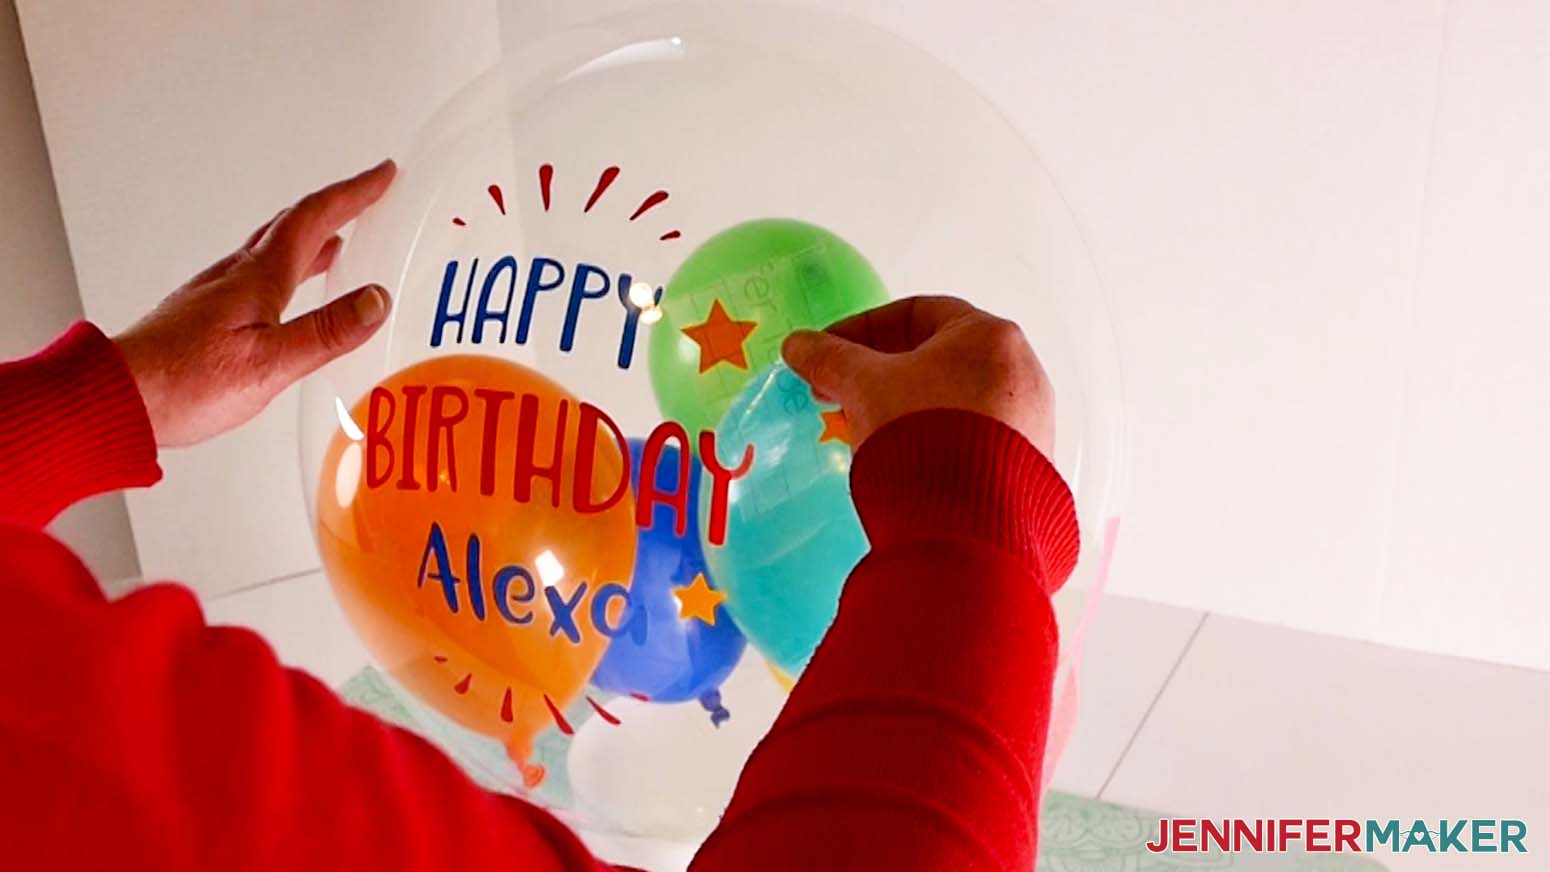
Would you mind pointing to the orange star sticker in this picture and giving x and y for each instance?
(720, 338)
(699, 600)
(835, 426)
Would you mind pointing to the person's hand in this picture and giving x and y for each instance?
(926, 353)
(214, 352)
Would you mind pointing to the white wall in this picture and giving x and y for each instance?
(39, 291)
(176, 127)
(1320, 225)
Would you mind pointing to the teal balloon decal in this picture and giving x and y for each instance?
(792, 531)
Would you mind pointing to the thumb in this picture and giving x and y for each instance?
(312, 340)
(830, 364)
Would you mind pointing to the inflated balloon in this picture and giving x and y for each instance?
(792, 531)
(680, 643)
(728, 307)
(631, 215)
(476, 523)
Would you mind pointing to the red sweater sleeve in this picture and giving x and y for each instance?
(71, 425)
(915, 739)
(131, 735)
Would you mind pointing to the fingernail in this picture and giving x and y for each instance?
(799, 336)
(371, 305)
(374, 168)
(795, 343)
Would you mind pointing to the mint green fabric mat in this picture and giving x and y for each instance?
(1075, 834)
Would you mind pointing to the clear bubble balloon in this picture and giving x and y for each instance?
(595, 251)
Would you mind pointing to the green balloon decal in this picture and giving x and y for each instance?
(734, 300)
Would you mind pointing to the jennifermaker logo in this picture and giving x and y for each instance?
(1321, 835)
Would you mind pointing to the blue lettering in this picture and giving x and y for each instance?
(444, 313)
(564, 611)
(504, 597)
(579, 292)
(505, 264)
(632, 620)
(436, 546)
(535, 286)
(631, 320)
(475, 586)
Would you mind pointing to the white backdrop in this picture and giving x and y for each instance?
(1321, 226)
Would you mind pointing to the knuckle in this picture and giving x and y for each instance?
(266, 236)
(330, 328)
(1005, 333)
(288, 234)
(312, 202)
(247, 259)
(263, 278)
(1005, 340)
(319, 205)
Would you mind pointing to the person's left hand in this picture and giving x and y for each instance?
(214, 353)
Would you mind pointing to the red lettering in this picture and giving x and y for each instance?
(377, 423)
(1209, 833)
(492, 400)
(1159, 844)
(527, 465)
(412, 394)
(1184, 837)
(648, 497)
(1316, 836)
(592, 421)
(1346, 832)
(721, 481)
(442, 423)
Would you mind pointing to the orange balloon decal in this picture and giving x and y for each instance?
(476, 523)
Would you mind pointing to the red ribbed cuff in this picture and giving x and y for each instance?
(73, 426)
(949, 473)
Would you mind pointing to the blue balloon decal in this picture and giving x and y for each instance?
(792, 531)
(662, 656)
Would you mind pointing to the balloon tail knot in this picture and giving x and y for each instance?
(718, 712)
(532, 775)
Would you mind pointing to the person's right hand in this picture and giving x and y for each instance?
(924, 353)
